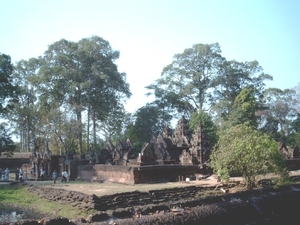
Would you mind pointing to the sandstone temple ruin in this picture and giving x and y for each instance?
(171, 156)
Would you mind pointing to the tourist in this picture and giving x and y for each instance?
(21, 177)
(7, 174)
(17, 174)
(54, 176)
(42, 174)
(25, 175)
(64, 176)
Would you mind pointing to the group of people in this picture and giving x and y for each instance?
(64, 176)
(4, 174)
(20, 175)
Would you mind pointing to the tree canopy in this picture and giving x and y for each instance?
(73, 95)
(70, 80)
(8, 93)
(8, 90)
(186, 81)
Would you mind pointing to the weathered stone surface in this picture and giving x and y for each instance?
(56, 221)
(249, 207)
(97, 217)
(27, 222)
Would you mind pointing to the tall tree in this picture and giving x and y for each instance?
(24, 113)
(187, 80)
(8, 90)
(243, 110)
(8, 93)
(83, 75)
(282, 110)
(232, 79)
(147, 121)
(6, 143)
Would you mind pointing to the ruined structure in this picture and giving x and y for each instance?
(116, 155)
(284, 151)
(178, 148)
(170, 156)
(44, 161)
(292, 158)
(201, 146)
(296, 152)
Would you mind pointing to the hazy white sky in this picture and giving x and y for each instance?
(149, 33)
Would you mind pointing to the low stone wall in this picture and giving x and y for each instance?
(13, 163)
(62, 196)
(182, 206)
(119, 200)
(110, 173)
(136, 175)
(293, 164)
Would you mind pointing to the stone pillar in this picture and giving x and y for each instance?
(36, 171)
(49, 172)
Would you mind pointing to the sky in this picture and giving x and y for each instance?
(149, 33)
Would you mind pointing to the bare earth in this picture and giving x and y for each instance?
(101, 189)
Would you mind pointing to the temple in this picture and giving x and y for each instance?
(170, 156)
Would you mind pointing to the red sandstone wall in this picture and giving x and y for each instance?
(136, 175)
(116, 174)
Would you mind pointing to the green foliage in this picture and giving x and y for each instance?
(70, 78)
(243, 110)
(246, 151)
(293, 139)
(186, 81)
(147, 123)
(232, 79)
(6, 143)
(280, 119)
(295, 124)
(7, 90)
(206, 120)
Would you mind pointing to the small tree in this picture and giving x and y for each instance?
(246, 151)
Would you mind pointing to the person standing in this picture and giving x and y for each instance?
(54, 176)
(64, 176)
(7, 174)
(25, 175)
(42, 174)
(17, 174)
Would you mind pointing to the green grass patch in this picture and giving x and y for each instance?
(19, 196)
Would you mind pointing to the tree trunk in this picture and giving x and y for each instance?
(88, 127)
(94, 130)
(79, 122)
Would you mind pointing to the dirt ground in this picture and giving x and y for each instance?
(101, 189)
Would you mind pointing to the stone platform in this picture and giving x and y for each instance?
(138, 174)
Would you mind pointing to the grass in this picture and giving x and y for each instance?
(18, 196)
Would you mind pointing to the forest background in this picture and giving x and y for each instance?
(66, 87)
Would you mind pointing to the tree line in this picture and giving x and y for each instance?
(74, 97)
